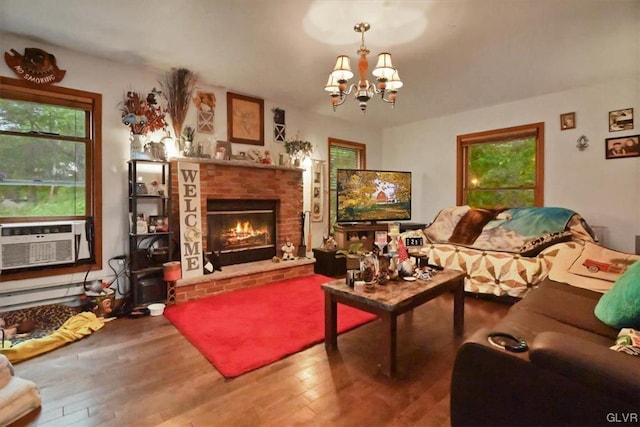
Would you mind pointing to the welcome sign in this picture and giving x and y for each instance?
(190, 219)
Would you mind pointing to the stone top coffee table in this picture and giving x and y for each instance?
(389, 301)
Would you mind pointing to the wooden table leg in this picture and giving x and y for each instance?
(389, 327)
(330, 322)
(458, 308)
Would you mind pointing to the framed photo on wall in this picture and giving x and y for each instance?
(621, 120)
(625, 146)
(567, 121)
(245, 119)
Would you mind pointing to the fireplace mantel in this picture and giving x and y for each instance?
(236, 163)
(237, 179)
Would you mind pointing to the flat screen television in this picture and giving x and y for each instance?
(373, 195)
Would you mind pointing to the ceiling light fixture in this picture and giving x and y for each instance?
(386, 74)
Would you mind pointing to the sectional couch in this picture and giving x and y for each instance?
(569, 375)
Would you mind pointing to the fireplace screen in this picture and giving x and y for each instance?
(242, 235)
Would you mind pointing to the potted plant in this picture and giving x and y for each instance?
(298, 149)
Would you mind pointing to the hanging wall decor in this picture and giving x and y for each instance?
(567, 121)
(205, 103)
(317, 191)
(279, 132)
(35, 66)
(245, 119)
(621, 120)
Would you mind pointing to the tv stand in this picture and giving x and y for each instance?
(347, 234)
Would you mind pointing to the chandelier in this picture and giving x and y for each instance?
(386, 75)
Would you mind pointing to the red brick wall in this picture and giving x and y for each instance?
(238, 181)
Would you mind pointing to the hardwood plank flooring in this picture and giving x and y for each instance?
(143, 372)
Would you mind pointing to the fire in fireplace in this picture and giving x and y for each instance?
(242, 230)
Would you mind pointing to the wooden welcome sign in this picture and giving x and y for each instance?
(35, 66)
(190, 219)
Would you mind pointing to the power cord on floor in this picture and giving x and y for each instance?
(118, 274)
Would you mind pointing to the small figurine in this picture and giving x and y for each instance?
(287, 251)
(329, 243)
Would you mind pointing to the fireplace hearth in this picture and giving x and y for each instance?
(242, 231)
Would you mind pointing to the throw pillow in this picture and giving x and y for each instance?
(562, 256)
(534, 246)
(628, 341)
(620, 307)
(602, 263)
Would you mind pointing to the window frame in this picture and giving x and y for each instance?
(497, 136)
(89, 101)
(335, 142)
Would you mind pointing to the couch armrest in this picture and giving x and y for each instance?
(597, 367)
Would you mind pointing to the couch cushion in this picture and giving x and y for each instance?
(620, 307)
(568, 305)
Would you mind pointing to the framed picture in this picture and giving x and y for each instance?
(317, 191)
(158, 223)
(626, 146)
(621, 120)
(245, 119)
(567, 121)
(223, 150)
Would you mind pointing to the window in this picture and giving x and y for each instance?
(342, 155)
(501, 168)
(50, 164)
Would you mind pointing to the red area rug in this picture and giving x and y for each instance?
(246, 329)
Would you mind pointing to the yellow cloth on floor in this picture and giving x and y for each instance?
(73, 329)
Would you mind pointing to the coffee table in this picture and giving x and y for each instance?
(388, 301)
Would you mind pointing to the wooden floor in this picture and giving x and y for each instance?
(142, 372)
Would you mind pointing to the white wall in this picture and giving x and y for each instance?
(112, 80)
(604, 192)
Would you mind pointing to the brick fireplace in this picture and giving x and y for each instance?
(238, 181)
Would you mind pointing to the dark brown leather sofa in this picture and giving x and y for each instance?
(569, 376)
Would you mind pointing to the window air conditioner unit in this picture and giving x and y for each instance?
(36, 244)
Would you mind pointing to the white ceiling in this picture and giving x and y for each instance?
(453, 55)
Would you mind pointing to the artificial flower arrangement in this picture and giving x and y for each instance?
(298, 149)
(142, 113)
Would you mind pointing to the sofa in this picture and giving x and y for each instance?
(568, 376)
(504, 252)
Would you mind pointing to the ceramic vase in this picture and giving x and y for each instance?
(137, 144)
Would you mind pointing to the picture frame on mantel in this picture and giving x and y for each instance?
(245, 119)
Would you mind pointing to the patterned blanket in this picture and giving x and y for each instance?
(517, 230)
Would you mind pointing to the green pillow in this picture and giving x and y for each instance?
(620, 307)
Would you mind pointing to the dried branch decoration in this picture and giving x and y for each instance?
(177, 87)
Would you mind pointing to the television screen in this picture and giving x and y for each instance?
(373, 195)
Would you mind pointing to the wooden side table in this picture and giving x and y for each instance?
(327, 264)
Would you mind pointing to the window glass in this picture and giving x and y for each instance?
(342, 155)
(502, 168)
(24, 116)
(41, 177)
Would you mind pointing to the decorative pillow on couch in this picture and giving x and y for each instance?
(563, 256)
(620, 307)
(602, 263)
